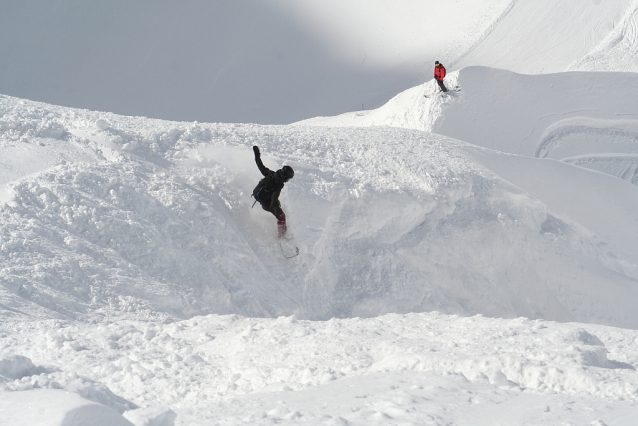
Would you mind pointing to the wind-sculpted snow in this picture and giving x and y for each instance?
(154, 219)
(489, 112)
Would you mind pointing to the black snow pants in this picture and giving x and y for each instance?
(441, 85)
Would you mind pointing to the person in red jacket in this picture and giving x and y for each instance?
(439, 75)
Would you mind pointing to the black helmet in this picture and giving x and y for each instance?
(436, 63)
(285, 173)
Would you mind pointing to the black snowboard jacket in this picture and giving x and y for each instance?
(270, 186)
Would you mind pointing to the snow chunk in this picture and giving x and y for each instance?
(151, 416)
(102, 124)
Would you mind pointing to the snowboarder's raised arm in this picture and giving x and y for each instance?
(263, 169)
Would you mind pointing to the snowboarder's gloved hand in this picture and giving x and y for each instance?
(256, 150)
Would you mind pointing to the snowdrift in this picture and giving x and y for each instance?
(617, 51)
(152, 218)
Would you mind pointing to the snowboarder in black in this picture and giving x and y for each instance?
(268, 189)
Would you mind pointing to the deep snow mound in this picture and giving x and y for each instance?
(131, 216)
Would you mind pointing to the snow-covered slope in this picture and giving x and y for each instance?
(617, 52)
(154, 219)
(553, 116)
(546, 36)
(117, 232)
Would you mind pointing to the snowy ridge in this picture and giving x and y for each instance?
(266, 54)
(417, 108)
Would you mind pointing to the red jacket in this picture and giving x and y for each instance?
(439, 72)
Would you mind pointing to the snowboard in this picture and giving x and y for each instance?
(287, 242)
(288, 246)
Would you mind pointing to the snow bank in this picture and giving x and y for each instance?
(417, 108)
(31, 395)
(19, 376)
(547, 116)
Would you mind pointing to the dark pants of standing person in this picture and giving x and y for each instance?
(441, 85)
